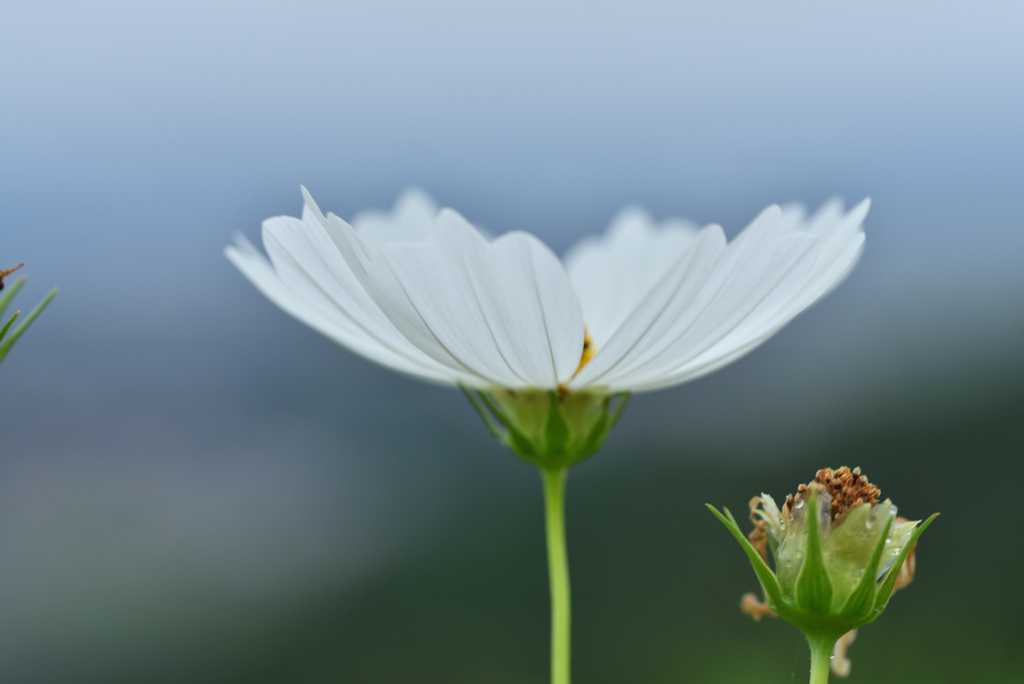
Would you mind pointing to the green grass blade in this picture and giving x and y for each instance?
(7, 325)
(6, 345)
(8, 294)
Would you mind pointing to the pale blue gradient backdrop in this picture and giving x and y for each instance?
(164, 428)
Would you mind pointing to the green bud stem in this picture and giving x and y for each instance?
(558, 571)
(821, 658)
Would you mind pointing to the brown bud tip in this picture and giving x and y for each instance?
(9, 271)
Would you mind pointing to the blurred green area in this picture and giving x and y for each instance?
(656, 579)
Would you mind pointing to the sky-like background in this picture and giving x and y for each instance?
(178, 455)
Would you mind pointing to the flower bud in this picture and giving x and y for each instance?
(838, 552)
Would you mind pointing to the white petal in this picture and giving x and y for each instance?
(504, 311)
(411, 220)
(310, 280)
(710, 293)
(255, 267)
(613, 273)
(682, 288)
(840, 242)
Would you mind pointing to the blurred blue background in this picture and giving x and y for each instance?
(193, 486)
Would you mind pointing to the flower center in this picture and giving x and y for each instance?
(847, 488)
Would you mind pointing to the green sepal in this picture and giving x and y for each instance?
(604, 424)
(769, 581)
(597, 436)
(886, 587)
(623, 398)
(862, 600)
(497, 422)
(813, 586)
(519, 444)
(556, 434)
(548, 428)
(514, 439)
(488, 418)
(8, 342)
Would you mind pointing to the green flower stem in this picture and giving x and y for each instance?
(558, 571)
(821, 658)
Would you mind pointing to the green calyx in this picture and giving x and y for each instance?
(549, 428)
(9, 333)
(830, 577)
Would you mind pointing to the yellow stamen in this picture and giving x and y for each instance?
(588, 350)
(588, 353)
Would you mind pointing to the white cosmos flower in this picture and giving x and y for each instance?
(423, 292)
